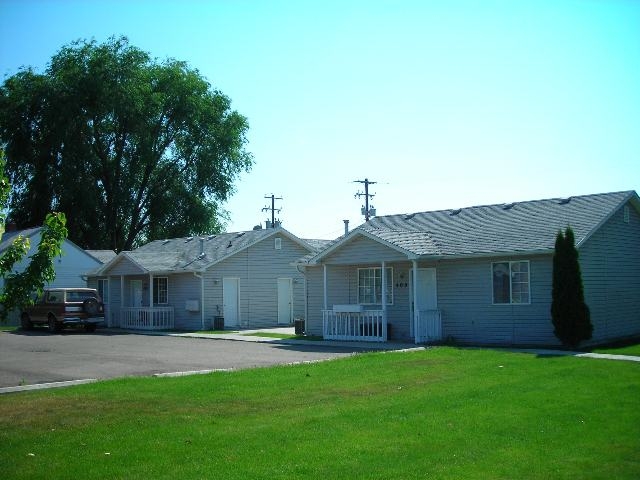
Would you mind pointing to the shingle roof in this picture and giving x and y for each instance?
(198, 253)
(529, 226)
(103, 256)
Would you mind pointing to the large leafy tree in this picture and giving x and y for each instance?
(18, 287)
(569, 312)
(130, 148)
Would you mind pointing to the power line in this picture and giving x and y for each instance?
(366, 210)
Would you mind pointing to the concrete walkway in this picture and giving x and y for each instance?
(254, 336)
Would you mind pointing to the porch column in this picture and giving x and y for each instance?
(384, 301)
(121, 300)
(150, 290)
(324, 267)
(415, 298)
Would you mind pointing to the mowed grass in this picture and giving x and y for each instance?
(439, 413)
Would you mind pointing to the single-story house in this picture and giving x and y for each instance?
(71, 267)
(239, 280)
(477, 275)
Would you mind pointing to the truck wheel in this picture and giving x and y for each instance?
(54, 326)
(25, 322)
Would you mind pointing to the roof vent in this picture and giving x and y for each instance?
(164, 242)
(230, 245)
(240, 234)
(409, 216)
(508, 206)
(188, 239)
(455, 212)
(211, 237)
(564, 201)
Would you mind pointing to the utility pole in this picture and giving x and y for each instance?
(272, 208)
(366, 211)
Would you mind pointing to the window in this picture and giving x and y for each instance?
(103, 289)
(510, 282)
(160, 290)
(278, 244)
(370, 285)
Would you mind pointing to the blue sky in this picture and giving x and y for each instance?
(445, 104)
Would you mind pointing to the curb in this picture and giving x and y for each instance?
(43, 386)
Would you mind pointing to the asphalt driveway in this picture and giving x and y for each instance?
(37, 357)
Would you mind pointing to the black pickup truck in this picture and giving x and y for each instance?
(65, 307)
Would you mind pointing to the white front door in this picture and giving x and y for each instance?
(231, 301)
(136, 293)
(426, 289)
(426, 323)
(285, 301)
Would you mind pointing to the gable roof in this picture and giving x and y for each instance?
(103, 256)
(194, 254)
(522, 227)
(9, 237)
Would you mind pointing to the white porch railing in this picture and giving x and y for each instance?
(367, 325)
(428, 326)
(146, 318)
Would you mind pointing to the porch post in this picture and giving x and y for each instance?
(324, 267)
(415, 300)
(121, 300)
(150, 290)
(384, 301)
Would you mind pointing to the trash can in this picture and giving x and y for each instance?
(299, 326)
(218, 323)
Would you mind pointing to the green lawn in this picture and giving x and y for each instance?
(439, 413)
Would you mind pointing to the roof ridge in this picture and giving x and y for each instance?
(501, 204)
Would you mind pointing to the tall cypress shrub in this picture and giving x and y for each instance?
(569, 312)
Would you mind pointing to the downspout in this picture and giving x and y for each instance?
(201, 277)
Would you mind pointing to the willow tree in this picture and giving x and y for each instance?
(130, 148)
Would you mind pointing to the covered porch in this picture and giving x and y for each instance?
(140, 302)
(400, 304)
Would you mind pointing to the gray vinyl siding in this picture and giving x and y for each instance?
(610, 263)
(361, 250)
(181, 288)
(258, 267)
(125, 267)
(465, 299)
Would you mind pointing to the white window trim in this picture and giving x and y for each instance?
(156, 291)
(511, 302)
(390, 294)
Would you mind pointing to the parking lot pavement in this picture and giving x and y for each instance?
(38, 357)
